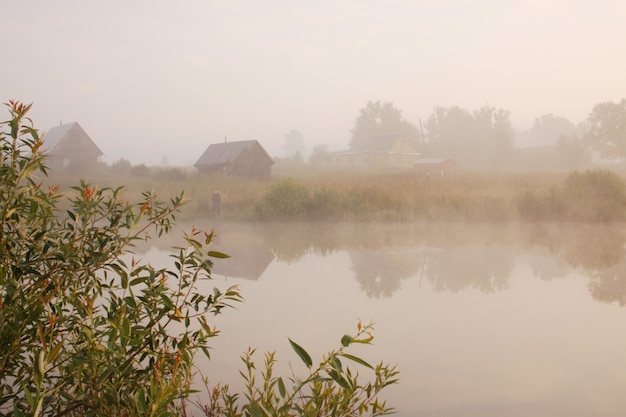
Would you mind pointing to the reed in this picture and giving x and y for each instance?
(323, 195)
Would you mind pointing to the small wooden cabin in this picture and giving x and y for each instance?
(68, 144)
(389, 150)
(435, 166)
(245, 158)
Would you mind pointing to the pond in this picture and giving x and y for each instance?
(481, 320)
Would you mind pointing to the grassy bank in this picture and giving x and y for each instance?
(308, 194)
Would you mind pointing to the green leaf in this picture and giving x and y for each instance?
(357, 360)
(255, 410)
(306, 358)
(336, 363)
(54, 352)
(214, 254)
(281, 387)
(339, 379)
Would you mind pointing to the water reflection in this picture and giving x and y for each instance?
(451, 257)
(483, 320)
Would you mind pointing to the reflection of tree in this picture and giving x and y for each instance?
(485, 268)
(609, 285)
(379, 273)
(598, 248)
(547, 267)
(471, 256)
(588, 247)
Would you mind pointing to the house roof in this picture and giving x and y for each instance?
(69, 139)
(432, 161)
(226, 152)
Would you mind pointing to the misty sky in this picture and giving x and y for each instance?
(148, 79)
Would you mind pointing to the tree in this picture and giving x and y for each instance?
(606, 129)
(320, 155)
(546, 130)
(294, 146)
(477, 138)
(85, 329)
(381, 117)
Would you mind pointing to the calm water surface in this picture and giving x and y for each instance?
(481, 320)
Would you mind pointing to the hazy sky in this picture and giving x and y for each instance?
(148, 79)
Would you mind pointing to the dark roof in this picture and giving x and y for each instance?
(378, 143)
(226, 152)
(69, 139)
(432, 161)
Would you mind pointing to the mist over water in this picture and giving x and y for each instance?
(482, 320)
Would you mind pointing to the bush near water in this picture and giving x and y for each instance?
(87, 330)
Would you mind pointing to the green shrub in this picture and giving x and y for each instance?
(590, 196)
(83, 331)
(86, 330)
(285, 200)
(594, 195)
(326, 204)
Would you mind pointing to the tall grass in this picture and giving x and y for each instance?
(590, 196)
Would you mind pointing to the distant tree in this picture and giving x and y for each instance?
(546, 130)
(571, 153)
(141, 171)
(297, 158)
(482, 137)
(320, 155)
(381, 117)
(294, 144)
(121, 166)
(606, 129)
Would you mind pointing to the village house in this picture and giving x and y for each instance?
(68, 145)
(242, 158)
(435, 166)
(389, 150)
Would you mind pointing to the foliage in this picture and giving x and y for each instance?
(88, 330)
(121, 166)
(381, 117)
(606, 130)
(546, 129)
(595, 195)
(320, 155)
(483, 138)
(294, 146)
(85, 329)
(140, 171)
(284, 200)
(169, 174)
(330, 389)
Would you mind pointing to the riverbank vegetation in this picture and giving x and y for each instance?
(311, 193)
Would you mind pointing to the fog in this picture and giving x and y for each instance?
(157, 81)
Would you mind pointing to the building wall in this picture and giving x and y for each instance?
(375, 160)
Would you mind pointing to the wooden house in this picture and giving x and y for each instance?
(69, 145)
(435, 166)
(243, 158)
(389, 150)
